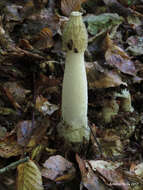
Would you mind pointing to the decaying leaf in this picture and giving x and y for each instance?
(45, 82)
(116, 7)
(101, 78)
(117, 58)
(39, 132)
(134, 21)
(111, 144)
(7, 111)
(16, 90)
(93, 171)
(29, 136)
(24, 132)
(25, 44)
(36, 152)
(97, 25)
(135, 45)
(109, 171)
(43, 39)
(68, 6)
(9, 147)
(44, 106)
(3, 132)
(135, 176)
(11, 98)
(12, 12)
(89, 179)
(138, 169)
(29, 177)
(58, 168)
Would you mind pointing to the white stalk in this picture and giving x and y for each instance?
(74, 96)
(74, 127)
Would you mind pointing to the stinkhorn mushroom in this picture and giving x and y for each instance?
(126, 102)
(74, 127)
(110, 110)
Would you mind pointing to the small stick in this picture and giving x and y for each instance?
(98, 145)
(13, 165)
(34, 101)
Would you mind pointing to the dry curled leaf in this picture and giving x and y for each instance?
(90, 180)
(15, 92)
(45, 81)
(9, 147)
(44, 106)
(25, 44)
(29, 177)
(101, 78)
(44, 39)
(109, 171)
(111, 144)
(117, 58)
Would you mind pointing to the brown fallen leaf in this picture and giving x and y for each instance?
(89, 179)
(11, 98)
(44, 83)
(116, 7)
(49, 81)
(67, 6)
(39, 132)
(66, 177)
(43, 39)
(9, 147)
(111, 143)
(25, 44)
(110, 172)
(15, 92)
(101, 78)
(58, 168)
(28, 136)
(137, 170)
(17, 52)
(44, 106)
(116, 57)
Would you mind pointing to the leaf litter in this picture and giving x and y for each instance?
(32, 66)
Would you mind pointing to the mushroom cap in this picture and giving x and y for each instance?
(75, 34)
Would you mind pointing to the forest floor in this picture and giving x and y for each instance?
(32, 155)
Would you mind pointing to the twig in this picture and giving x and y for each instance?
(98, 145)
(13, 165)
(34, 101)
